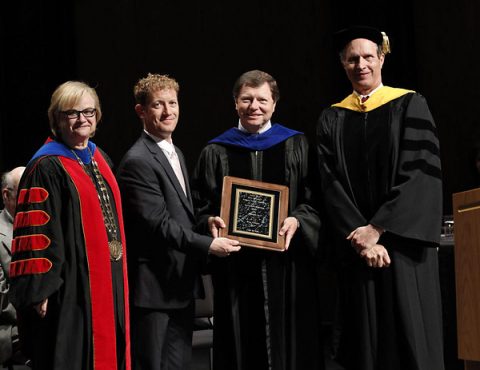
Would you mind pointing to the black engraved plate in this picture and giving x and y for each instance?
(253, 212)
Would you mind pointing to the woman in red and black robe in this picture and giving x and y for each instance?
(69, 285)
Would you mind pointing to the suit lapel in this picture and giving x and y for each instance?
(160, 157)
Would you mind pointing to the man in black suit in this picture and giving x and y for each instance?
(165, 253)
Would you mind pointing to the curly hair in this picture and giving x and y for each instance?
(153, 82)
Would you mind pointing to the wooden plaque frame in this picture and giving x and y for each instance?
(265, 205)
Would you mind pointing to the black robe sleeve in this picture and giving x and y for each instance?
(413, 207)
(207, 182)
(301, 196)
(31, 288)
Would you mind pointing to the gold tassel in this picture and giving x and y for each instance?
(386, 44)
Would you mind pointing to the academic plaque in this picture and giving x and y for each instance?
(253, 212)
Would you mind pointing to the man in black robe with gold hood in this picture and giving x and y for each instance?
(266, 312)
(378, 158)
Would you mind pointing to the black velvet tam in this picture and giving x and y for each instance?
(343, 37)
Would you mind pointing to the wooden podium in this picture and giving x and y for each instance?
(466, 214)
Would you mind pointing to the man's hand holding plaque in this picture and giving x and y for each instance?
(221, 247)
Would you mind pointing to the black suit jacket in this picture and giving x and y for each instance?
(165, 255)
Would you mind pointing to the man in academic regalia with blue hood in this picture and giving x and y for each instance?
(379, 165)
(266, 312)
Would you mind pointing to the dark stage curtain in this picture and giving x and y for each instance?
(206, 45)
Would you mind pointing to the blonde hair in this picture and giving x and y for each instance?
(66, 96)
(153, 82)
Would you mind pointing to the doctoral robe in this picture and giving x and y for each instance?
(60, 252)
(379, 164)
(266, 304)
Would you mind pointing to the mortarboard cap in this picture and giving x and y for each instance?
(343, 37)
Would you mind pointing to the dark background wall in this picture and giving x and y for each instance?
(207, 45)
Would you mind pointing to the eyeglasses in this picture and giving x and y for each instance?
(72, 113)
